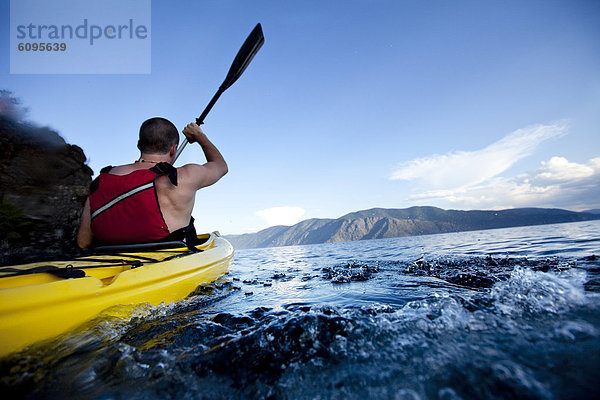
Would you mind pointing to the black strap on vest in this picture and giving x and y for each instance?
(165, 168)
(188, 234)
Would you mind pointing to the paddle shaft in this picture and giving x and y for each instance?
(200, 120)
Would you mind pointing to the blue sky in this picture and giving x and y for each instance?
(351, 105)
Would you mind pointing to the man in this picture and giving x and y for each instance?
(149, 200)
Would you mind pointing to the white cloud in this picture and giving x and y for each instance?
(286, 215)
(560, 169)
(466, 168)
(557, 183)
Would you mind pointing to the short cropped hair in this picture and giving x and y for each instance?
(157, 135)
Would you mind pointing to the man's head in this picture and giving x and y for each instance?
(157, 136)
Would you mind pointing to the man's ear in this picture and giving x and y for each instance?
(173, 150)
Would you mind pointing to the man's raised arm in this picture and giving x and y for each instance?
(214, 169)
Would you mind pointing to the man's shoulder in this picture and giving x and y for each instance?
(190, 168)
(189, 172)
(196, 175)
(190, 165)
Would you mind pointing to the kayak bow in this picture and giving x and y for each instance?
(41, 300)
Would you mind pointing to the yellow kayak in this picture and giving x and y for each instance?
(41, 300)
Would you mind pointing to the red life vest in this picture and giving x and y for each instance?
(125, 208)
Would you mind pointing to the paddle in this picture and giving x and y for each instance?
(247, 52)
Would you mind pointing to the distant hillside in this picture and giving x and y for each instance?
(379, 223)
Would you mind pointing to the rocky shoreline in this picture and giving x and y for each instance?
(43, 186)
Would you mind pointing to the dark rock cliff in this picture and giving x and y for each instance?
(43, 185)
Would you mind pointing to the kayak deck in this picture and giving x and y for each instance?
(41, 305)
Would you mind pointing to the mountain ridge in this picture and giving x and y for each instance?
(380, 223)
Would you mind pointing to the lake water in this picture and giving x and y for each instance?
(497, 314)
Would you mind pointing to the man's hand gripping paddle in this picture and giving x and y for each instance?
(249, 49)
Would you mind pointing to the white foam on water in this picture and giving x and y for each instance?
(571, 331)
(532, 292)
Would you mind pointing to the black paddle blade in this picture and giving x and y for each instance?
(253, 43)
(249, 49)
